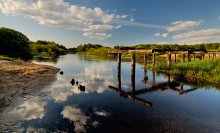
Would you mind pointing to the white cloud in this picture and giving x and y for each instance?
(121, 17)
(31, 110)
(182, 25)
(64, 14)
(161, 35)
(199, 36)
(100, 36)
(157, 34)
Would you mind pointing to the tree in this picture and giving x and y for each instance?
(14, 44)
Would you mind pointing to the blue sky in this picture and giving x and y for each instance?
(114, 22)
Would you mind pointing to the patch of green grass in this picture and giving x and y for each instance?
(205, 70)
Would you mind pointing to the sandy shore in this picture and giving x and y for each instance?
(19, 78)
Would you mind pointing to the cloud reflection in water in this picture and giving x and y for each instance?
(94, 78)
(31, 110)
(80, 120)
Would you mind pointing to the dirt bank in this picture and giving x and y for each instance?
(18, 78)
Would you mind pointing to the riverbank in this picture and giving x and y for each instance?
(19, 78)
(200, 71)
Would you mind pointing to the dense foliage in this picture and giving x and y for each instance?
(47, 49)
(14, 44)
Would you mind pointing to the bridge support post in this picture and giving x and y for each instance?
(119, 71)
(133, 73)
(169, 59)
(153, 60)
(175, 58)
(188, 58)
(209, 56)
(183, 58)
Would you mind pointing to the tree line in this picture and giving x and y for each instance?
(16, 45)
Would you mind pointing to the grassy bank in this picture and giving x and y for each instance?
(206, 71)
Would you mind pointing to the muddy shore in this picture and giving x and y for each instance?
(20, 78)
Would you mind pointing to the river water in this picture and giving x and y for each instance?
(100, 99)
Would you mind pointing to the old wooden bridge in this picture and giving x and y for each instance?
(186, 55)
(172, 85)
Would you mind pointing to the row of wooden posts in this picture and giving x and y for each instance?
(184, 54)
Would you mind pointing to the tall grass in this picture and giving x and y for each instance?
(205, 70)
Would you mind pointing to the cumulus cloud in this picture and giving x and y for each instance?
(182, 25)
(199, 36)
(100, 36)
(75, 115)
(92, 21)
(161, 35)
(31, 110)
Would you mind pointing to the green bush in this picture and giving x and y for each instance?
(14, 44)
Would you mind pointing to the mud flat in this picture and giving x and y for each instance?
(19, 78)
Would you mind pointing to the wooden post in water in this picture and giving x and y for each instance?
(203, 56)
(183, 58)
(213, 56)
(145, 68)
(119, 71)
(169, 59)
(209, 56)
(153, 59)
(153, 77)
(181, 86)
(133, 73)
(194, 56)
(188, 57)
(175, 58)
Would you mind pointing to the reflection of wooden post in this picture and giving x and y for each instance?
(133, 73)
(169, 59)
(168, 82)
(119, 71)
(181, 86)
(175, 58)
(145, 68)
(153, 76)
(153, 56)
(145, 60)
(183, 57)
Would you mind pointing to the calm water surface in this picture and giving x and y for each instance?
(155, 104)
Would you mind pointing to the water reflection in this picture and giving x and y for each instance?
(154, 86)
(31, 110)
(80, 120)
(76, 116)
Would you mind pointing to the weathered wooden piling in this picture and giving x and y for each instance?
(188, 58)
(133, 72)
(169, 59)
(175, 58)
(183, 58)
(119, 71)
